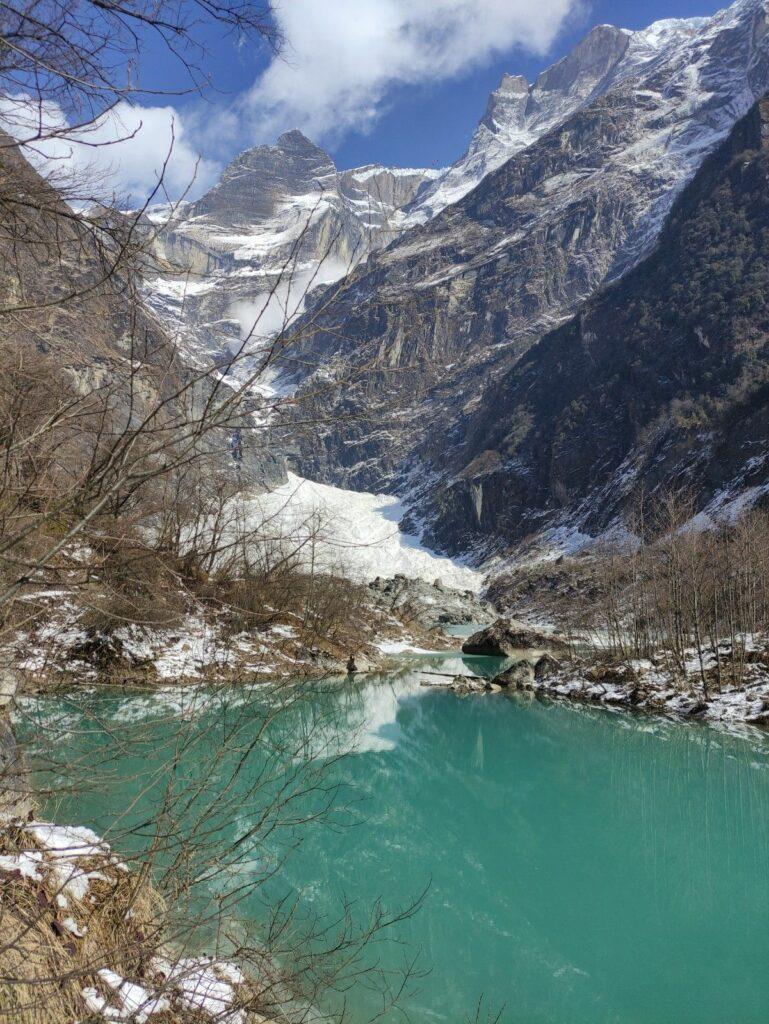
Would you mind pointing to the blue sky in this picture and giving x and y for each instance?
(400, 82)
(430, 125)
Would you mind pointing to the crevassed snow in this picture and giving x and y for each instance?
(357, 534)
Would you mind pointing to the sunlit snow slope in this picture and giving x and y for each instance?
(356, 534)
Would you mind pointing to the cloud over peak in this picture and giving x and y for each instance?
(342, 58)
(127, 150)
(341, 61)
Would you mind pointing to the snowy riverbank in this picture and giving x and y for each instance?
(83, 937)
(656, 686)
(60, 646)
(728, 686)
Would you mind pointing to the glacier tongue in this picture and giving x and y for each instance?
(353, 533)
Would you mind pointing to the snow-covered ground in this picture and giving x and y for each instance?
(642, 685)
(357, 534)
(54, 869)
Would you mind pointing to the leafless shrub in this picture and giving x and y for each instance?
(115, 478)
(680, 585)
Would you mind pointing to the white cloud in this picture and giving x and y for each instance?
(340, 62)
(123, 152)
(343, 57)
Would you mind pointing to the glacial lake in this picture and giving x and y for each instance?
(580, 866)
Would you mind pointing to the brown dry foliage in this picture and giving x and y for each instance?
(678, 587)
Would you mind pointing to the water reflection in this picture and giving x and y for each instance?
(586, 867)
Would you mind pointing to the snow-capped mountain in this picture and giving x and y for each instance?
(518, 113)
(281, 221)
(284, 220)
(431, 323)
(437, 284)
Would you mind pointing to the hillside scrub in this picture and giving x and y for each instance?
(680, 584)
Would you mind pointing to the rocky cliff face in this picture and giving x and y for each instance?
(518, 114)
(63, 297)
(425, 337)
(660, 381)
(437, 300)
(281, 221)
(73, 325)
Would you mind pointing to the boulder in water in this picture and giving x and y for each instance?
(506, 636)
(464, 685)
(358, 663)
(519, 676)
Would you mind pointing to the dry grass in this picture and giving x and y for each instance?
(44, 966)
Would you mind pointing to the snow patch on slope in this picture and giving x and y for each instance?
(357, 534)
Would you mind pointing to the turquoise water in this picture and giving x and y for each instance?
(464, 629)
(583, 867)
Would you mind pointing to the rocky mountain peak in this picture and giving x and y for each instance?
(518, 114)
(512, 84)
(590, 60)
(295, 141)
(259, 179)
(511, 241)
(507, 104)
(282, 218)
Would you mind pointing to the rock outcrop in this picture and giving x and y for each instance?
(429, 606)
(519, 676)
(506, 637)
